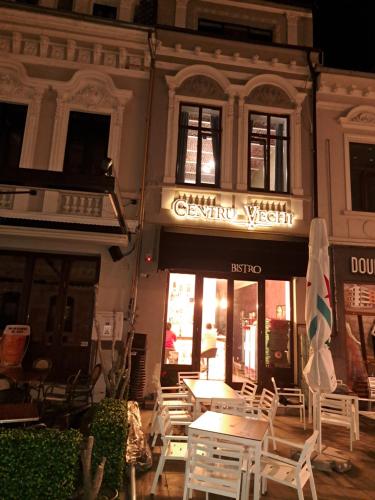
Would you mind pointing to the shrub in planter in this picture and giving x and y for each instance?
(109, 429)
(38, 464)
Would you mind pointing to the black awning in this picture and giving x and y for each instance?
(237, 256)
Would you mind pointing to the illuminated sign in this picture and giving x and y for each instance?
(246, 268)
(362, 265)
(253, 214)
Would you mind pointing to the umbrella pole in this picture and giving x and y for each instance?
(318, 422)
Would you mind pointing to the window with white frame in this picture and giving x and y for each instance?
(362, 176)
(268, 152)
(199, 145)
(13, 121)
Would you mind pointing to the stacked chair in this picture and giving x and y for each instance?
(174, 447)
(179, 408)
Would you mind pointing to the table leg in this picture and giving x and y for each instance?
(257, 451)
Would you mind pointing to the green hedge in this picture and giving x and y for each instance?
(38, 464)
(109, 428)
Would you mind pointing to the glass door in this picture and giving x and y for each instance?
(245, 331)
(277, 345)
(214, 328)
(178, 340)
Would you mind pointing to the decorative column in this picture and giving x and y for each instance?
(180, 17)
(226, 166)
(115, 142)
(31, 130)
(296, 180)
(170, 167)
(242, 147)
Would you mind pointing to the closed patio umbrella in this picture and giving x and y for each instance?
(319, 371)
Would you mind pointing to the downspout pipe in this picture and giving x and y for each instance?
(134, 291)
(314, 79)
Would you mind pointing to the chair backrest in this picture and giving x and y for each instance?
(268, 403)
(43, 364)
(228, 406)
(214, 465)
(307, 449)
(165, 425)
(248, 389)
(274, 386)
(192, 375)
(335, 405)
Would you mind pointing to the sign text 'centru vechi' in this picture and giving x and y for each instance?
(263, 214)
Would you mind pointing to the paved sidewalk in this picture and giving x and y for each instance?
(355, 484)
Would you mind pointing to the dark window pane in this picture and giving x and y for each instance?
(199, 145)
(87, 143)
(12, 277)
(65, 5)
(362, 174)
(231, 31)
(12, 120)
(105, 11)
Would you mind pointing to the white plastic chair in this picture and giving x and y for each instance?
(174, 447)
(291, 397)
(264, 408)
(337, 409)
(215, 466)
(248, 390)
(179, 410)
(191, 375)
(170, 395)
(289, 472)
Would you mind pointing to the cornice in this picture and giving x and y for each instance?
(199, 55)
(125, 54)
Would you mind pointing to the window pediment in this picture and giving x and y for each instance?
(269, 95)
(359, 117)
(201, 86)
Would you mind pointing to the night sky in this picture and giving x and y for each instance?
(344, 30)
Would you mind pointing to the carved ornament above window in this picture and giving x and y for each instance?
(269, 95)
(201, 86)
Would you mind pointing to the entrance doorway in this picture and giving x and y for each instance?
(54, 294)
(230, 329)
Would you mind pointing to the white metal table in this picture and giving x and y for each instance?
(240, 430)
(203, 391)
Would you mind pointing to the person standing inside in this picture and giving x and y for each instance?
(170, 339)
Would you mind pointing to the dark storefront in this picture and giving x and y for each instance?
(230, 303)
(354, 339)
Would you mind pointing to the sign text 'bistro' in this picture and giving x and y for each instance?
(263, 214)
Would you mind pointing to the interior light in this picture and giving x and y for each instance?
(223, 303)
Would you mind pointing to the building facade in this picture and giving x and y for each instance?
(345, 127)
(73, 89)
(187, 126)
(229, 191)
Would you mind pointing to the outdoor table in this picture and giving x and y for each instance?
(18, 413)
(240, 430)
(202, 391)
